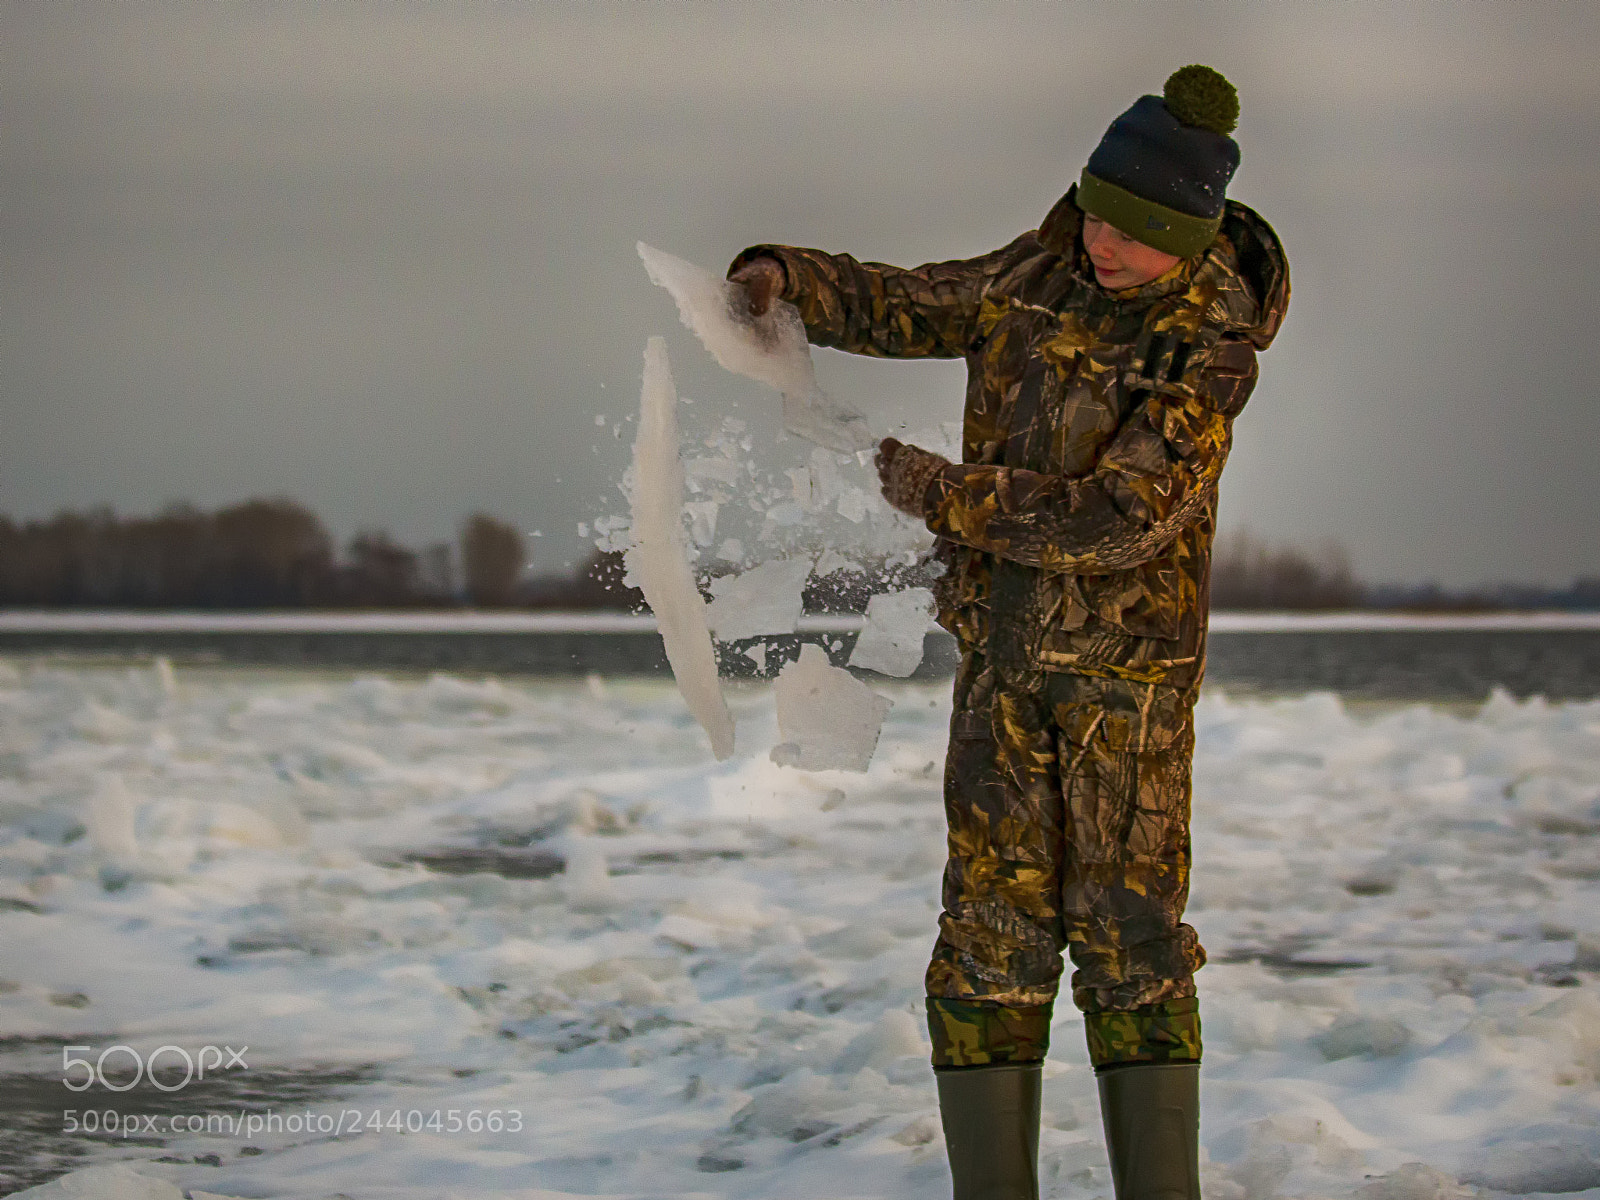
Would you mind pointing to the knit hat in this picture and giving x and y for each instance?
(1161, 171)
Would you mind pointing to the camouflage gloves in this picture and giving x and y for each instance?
(906, 472)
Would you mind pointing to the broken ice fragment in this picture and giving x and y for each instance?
(853, 505)
(785, 515)
(891, 641)
(832, 562)
(762, 600)
(613, 533)
(770, 349)
(656, 557)
(800, 482)
(722, 470)
(819, 418)
(825, 478)
(702, 521)
(828, 719)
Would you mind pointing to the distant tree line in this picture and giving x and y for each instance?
(1248, 573)
(275, 553)
(263, 553)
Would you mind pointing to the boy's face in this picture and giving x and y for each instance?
(1120, 261)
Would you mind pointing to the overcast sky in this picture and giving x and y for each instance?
(380, 257)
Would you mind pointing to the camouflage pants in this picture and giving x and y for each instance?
(1068, 812)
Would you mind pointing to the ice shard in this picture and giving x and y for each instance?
(828, 719)
(818, 417)
(657, 558)
(762, 600)
(771, 349)
(891, 642)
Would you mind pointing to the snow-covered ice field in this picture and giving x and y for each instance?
(720, 995)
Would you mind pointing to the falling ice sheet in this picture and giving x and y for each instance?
(770, 349)
(762, 600)
(657, 560)
(827, 718)
(891, 643)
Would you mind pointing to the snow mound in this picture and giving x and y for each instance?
(113, 1182)
(1414, 1181)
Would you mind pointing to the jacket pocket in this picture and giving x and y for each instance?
(1151, 605)
(1145, 601)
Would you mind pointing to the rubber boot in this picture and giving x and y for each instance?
(991, 1130)
(1152, 1118)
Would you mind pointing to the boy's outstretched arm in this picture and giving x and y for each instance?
(929, 311)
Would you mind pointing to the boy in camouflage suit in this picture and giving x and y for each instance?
(1108, 353)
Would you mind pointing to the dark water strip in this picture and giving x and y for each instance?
(1383, 664)
(1433, 664)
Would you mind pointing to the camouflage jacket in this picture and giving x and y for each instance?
(1077, 529)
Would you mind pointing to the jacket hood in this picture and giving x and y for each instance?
(1256, 259)
(1262, 266)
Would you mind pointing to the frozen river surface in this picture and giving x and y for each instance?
(536, 924)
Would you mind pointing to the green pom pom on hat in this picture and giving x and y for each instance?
(1199, 96)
